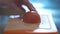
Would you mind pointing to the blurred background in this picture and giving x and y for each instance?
(52, 6)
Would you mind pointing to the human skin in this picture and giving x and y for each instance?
(14, 7)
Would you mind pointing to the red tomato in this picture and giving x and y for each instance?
(31, 17)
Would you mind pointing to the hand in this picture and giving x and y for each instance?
(14, 7)
(27, 3)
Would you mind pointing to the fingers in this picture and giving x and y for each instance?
(21, 8)
(18, 9)
(29, 5)
(13, 10)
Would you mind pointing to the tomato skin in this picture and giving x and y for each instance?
(31, 17)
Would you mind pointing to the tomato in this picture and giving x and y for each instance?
(31, 17)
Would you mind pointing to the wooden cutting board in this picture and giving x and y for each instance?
(17, 24)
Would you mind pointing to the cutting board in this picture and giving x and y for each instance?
(17, 26)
